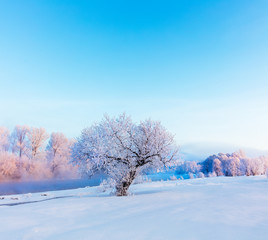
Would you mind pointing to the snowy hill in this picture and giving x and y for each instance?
(209, 208)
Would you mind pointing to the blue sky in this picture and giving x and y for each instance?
(200, 67)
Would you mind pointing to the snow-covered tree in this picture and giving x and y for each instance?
(19, 140)
(188, 167)
(37, 138)
(58, 145)
(8, 166)
(232, 167)
(217, 167)
(4, 139)
(123, 149)
(59, 156)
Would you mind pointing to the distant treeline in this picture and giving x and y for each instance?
(29, 153)
(235, 164)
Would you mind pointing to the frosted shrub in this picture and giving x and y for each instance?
(200, 175)
(141, 179)
(107, 184)
(191, 176)
(213, 174)
(173, 178)
(188, 166)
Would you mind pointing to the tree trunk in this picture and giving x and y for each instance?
(123, 186)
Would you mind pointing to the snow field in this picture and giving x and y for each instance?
(208, 208)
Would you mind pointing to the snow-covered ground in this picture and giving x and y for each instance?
(210, 208)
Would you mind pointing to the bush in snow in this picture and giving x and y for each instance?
(107, 184)
(213, 174)
(191, 176)
(173, 178)
(123, 149)
(188, 167)
(141, 179)
(200, 175)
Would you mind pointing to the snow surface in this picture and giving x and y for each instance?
(209, 208)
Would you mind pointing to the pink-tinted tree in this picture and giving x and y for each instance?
(59, 156)
(217, 168)
(37, 139)
(4, 139)
(9, 169)
(19, 141)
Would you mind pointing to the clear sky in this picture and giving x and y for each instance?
(200, 67)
